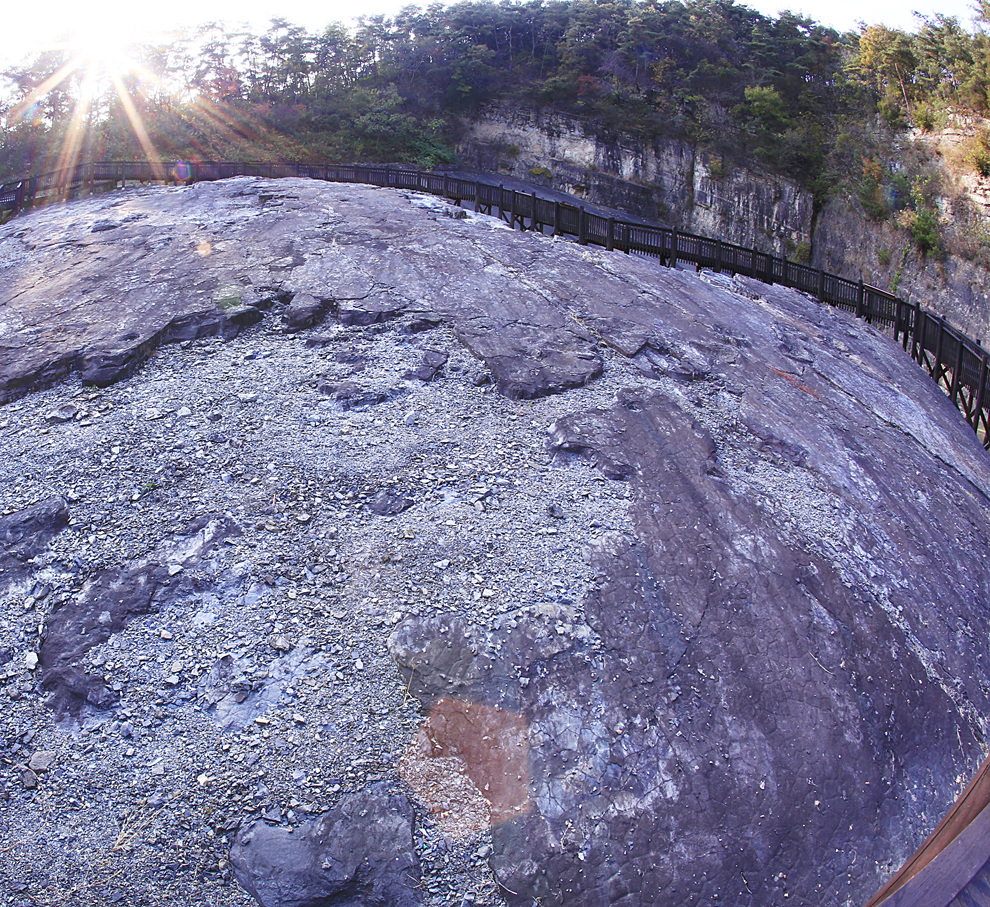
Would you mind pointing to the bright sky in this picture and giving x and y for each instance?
(26, 24)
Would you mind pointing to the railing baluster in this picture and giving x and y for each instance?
(909, 320)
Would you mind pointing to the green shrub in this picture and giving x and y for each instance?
(924, 116)
(802, 252)
(870, 191)
(883, 256)
(901, 192)
(925, 229)
(541, 172)
(892, 113)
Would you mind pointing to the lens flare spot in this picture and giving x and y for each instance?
(469, 765)
(33, 114)
(181, 171)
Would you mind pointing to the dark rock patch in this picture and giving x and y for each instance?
(353, 396)
(389, 502)
(304, 311)
(419, 323)
(364, 312)
(26, 533)
(107, 603)
(430, 366)
(524, 368)
(358, 854)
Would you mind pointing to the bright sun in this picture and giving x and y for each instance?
(99, 55)
(98, 64)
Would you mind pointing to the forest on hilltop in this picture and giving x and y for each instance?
(792, 95)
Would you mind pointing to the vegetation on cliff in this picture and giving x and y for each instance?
(815, 105)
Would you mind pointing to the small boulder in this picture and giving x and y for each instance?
(304, 311)
(358, 854)
(433, 361)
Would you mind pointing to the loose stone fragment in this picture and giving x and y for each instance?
(41, 761)
(360, 852)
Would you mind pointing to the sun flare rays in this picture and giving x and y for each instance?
(99, 79)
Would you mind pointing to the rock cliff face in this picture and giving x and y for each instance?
(441, 564)
(676, 183)
(667, 180)
(848, 243)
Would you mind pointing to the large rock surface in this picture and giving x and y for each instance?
(649, 587)
(358, 854)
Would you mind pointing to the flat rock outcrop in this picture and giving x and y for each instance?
(358, 854)
(472, 567)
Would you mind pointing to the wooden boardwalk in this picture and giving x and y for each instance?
(959, 364)
(952, 866)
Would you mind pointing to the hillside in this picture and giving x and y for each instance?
(397, 557)
(774, 132)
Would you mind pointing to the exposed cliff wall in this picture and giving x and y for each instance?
(665, 178)
(690, 188)
(848, 243)
(955, 281)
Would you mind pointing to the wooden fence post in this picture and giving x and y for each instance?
(610, 238)
(477, 196)
(981, 390)
(582, 227)
(957, 372)
(938, 349)
(556, 218)
(718, 256)
(672, 258)
(924, 319)
(821, 285)
(859, 299)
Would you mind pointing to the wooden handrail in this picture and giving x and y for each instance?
(956, 362)
(971, 804)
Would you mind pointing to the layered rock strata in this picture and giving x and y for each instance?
(481, 568)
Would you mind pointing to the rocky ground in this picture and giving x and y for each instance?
(435, 564)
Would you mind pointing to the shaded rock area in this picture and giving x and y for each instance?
(358, 854)
(483, 569)
(111, 600)
(26, 533)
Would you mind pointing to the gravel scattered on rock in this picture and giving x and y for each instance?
(577, 555)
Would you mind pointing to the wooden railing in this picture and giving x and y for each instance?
(957, 363)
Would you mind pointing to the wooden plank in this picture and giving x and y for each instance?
(969, 805)
(949, 872)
